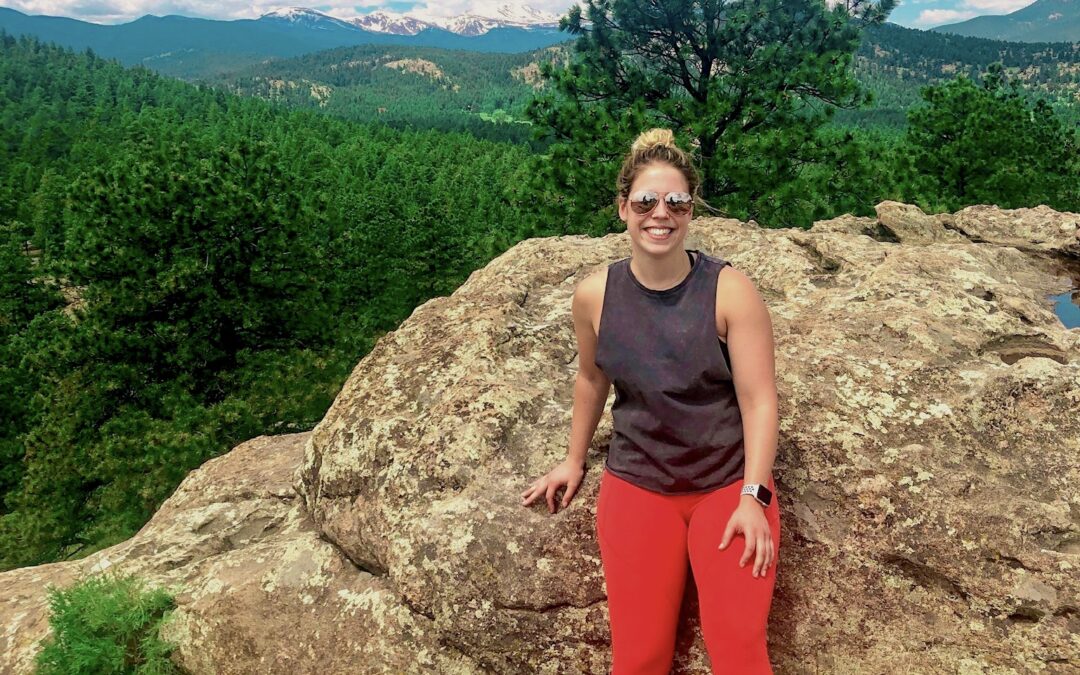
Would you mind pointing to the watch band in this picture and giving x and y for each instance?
(759, 492)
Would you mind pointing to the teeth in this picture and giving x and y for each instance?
(658, 230)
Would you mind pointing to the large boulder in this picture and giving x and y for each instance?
(929, 439)
(257, 588)
(926, 475)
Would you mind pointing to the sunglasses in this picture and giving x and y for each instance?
(644, 201)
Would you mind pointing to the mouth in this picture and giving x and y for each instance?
(659, 233)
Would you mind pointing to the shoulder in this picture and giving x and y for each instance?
(589, 299)
(589, 292)
(737, 296)
(738, 299)
(734, 281)
(731, 282)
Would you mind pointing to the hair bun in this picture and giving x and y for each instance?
(652, 138)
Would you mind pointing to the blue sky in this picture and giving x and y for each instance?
(928, 13)
(912, 13)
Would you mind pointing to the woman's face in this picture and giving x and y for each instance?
(646, 231)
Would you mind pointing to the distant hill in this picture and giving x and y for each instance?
(1041, 21)
(402, 85)
(303, 57)
(483, 94)
(187, 48)
(896, 62)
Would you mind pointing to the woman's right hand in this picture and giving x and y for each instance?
(567, 472)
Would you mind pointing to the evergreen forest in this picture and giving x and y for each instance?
(188, 265)
(460, 90)
(185, 269)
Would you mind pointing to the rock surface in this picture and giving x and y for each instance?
(927, 475)
(257, 589)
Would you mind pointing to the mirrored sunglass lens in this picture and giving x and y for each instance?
(643, 202)
(679, 202)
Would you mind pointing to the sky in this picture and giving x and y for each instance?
(911, 13)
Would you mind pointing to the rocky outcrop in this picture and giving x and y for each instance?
(926, 474)
(257, 588)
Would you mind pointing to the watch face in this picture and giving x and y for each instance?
(764, 494)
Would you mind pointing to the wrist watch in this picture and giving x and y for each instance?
(759, 492)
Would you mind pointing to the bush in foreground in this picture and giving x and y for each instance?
(107, 624)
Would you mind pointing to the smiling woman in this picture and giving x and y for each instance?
(677, 484)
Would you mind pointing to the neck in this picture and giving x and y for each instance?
(660, 272)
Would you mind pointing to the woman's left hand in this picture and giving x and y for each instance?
(749, 519)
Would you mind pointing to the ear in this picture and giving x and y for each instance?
(622, 208)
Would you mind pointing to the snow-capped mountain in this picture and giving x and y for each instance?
(391, 22)
(468, 24)
(183, 46)
(308, 18)
(515, 16)
(395, 23)
(526, 16)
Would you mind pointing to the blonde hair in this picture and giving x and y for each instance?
(657, 145)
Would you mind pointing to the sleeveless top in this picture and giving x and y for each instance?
(677, 425)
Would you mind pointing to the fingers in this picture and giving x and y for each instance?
(548, 486)
(761, 558)
(529, 495)
(729, 532)
(534, 491)
(759, 547)
(569, 494)
(748, 551)
(765, 553)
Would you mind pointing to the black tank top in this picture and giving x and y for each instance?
(677, 425)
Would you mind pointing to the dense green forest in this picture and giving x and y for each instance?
(185, 268)
(423, 87)
(896, 62)
(458, 90)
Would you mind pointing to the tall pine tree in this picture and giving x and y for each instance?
(745, 84)
(989, 144)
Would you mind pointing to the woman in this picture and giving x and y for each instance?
(687, 341)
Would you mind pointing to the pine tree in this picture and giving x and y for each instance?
(22, 298)
(989, 144)
(746, 84)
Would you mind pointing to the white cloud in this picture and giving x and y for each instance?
(937, 17)
(967, 9)
(996, 6)
(121, 11)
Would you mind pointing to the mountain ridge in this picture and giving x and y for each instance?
(403, 23)
(189, 47)
(1041, 21)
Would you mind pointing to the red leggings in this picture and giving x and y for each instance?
(645, 540)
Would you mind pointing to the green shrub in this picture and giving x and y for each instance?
(107, 624)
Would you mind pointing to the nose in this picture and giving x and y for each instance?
(660, 210)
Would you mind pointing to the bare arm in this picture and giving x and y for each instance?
(751, 345)
(591, 386)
